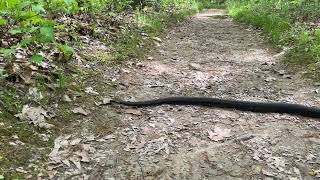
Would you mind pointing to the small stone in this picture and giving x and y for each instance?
(280, 55)
(106, 100)
(157, 39)
(19, 56)
(90, 90)
(21, 170)
(66, 98)
(133, 111)
(15, 136)
(150, 58)
(108, 137)
(123, 71)
(12, 143)
(144, 34)
(282, 72)
(139, 64)
(293, 178)
(269, 79)
(4, 43)
(195, 66)
(27, 177)
(80, 110)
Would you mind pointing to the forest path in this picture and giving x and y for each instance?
(205, 55)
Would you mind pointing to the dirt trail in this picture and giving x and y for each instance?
(206, 55)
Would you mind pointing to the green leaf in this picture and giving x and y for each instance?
(3, 21)
(46, 34)
(31, 29)
(38, 8)
(68, 2)
(304, 37)
(24, 4)
(1, 177)
(46, 31)
(35, 19)
(15, 31)
(47, 23)
(7, 52)
(67, 51)
(26, 41)
(35, 58)
(25, 15)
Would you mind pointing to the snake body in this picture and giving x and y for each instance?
(261, 107)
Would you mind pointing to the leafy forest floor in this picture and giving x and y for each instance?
(205, 55)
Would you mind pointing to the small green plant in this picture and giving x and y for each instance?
(62, 80)
(66, 50)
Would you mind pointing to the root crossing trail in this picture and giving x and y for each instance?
(206, 55)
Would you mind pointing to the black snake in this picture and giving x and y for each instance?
(261, 107)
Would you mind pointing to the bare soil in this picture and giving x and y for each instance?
(205, 55)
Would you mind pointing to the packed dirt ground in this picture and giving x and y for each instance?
(205, 55)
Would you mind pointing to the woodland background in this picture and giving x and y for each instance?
(42, 46)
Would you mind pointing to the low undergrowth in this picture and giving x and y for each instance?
(294, 24)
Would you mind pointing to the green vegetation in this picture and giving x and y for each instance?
(39, 42)
(134, 41)
(32, 24)
(291, 23)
